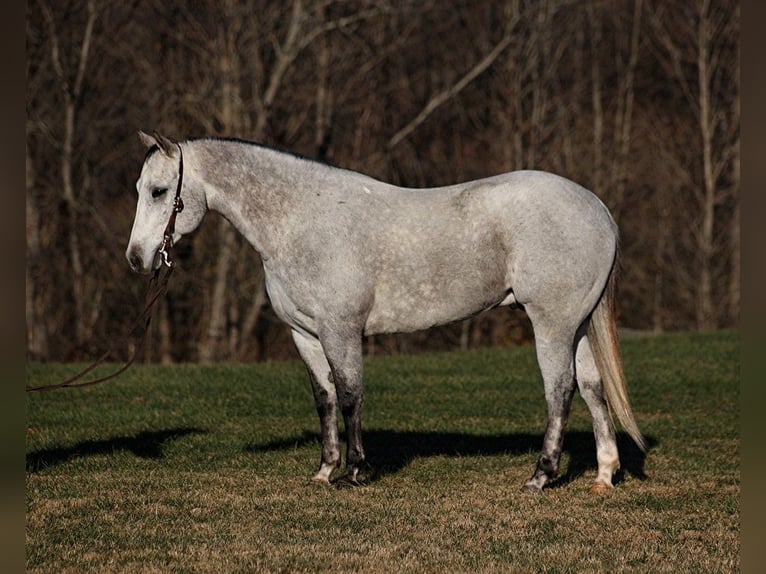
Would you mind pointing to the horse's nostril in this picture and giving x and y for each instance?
(135, 261)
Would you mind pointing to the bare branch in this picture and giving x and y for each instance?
(85, 49)
(55, 51)
(439, 99)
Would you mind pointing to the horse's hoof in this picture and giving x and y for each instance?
(346, 481)
(532, 489)
(601, 488)
(321, 480)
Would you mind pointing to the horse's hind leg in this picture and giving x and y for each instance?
(591, 389)
(326, 401)
(555, 354)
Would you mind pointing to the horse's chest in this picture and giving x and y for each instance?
(285, 303)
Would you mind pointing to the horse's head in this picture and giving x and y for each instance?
(156, 188)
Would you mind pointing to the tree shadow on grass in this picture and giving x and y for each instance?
(390, 451)
(147, 444)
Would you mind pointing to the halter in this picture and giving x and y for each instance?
(178, 207)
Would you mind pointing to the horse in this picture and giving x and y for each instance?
(346, 255)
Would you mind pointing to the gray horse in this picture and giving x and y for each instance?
(345, 255)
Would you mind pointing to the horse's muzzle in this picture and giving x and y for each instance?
(137, 263)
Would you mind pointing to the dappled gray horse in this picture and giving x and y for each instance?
(346, 255)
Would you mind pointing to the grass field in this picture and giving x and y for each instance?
(205, 469)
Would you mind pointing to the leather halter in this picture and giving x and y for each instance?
(178, 207)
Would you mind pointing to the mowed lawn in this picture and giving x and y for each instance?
(206, 469)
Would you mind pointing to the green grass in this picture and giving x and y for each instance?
(205, 469)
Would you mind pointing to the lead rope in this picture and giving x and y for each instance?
(157, 287)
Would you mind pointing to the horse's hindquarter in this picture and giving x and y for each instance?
(564, 244)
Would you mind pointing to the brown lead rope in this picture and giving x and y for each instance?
(158, 286)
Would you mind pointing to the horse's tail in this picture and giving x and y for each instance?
(605, 344)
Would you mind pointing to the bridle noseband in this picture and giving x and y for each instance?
(178, 207)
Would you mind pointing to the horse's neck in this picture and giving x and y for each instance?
(252, 187)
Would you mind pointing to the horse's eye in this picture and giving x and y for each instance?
(159, 192)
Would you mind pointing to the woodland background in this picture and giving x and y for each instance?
(638, 100)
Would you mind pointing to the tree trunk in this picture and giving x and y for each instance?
(71, 93)
(705, 306)
(163, 326)
(735, 250)
(216, 327)
(75, 258)
(323, 118)
(253, 313)
(735, 254)
(659, 265)
(230, 115)
(624, 120)
(596, 101)
(37, 333)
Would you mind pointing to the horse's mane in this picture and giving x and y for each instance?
(273, 148)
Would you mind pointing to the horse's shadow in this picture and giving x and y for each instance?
(390, 451)
(147, 444)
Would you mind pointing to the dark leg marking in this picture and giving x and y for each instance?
(557, 367)
(326, 402)
(344, 354)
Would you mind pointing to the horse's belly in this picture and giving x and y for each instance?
(425, 306)
(438, 278)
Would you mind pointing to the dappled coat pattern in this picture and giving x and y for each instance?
(345, 255)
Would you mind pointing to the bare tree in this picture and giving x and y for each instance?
(70, 83)
(441, 97)
(735, 250)
(700, 53)
(612, 182)
(637, 99)
(229, 111)
(529, 103)
(267, 43)
(37, 333)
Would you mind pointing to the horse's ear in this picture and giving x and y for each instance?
(167, 146)
(146, 139)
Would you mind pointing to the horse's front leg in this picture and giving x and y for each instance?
(343, 350)
(323, 386)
